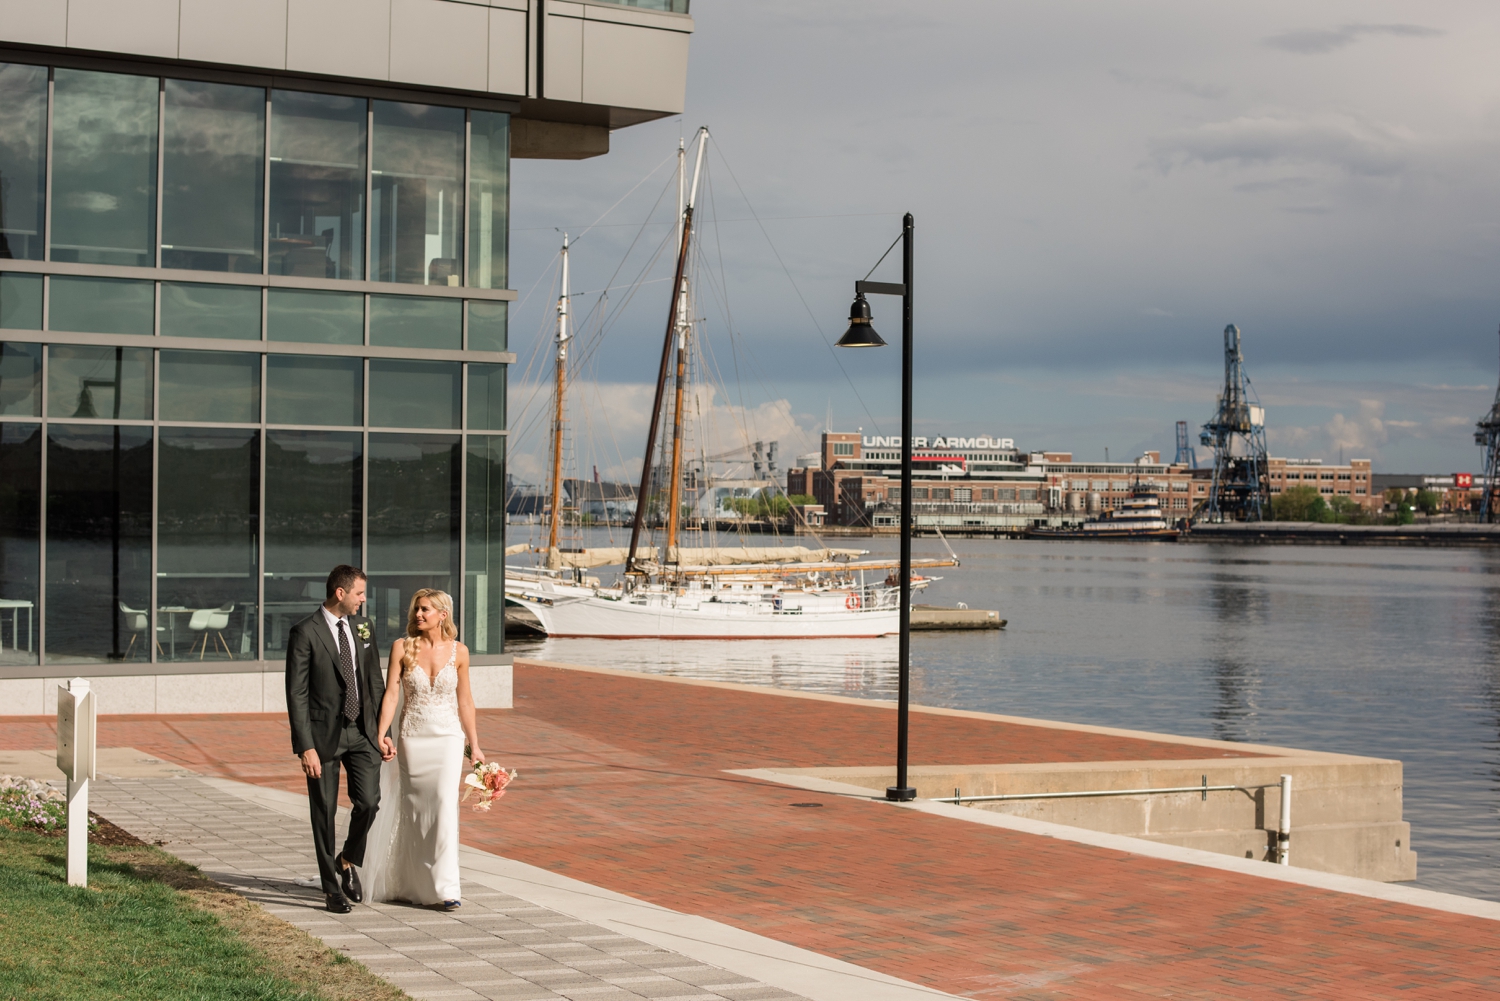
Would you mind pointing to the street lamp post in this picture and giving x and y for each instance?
(861, 334)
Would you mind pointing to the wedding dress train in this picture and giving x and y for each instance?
(415, 854)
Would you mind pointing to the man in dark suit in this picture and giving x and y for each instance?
(334, 688)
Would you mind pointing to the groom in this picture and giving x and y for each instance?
(333, 693)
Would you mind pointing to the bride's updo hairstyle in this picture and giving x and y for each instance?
(440, 601)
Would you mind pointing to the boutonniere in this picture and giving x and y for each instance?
(363, 629)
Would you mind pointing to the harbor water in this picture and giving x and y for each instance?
(1390, 652)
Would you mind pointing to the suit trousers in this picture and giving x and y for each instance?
(362, 761)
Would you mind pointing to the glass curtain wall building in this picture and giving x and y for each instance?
(247, 331)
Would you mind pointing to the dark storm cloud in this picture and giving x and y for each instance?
(1317, 42)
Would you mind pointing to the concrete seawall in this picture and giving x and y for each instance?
(1318, 533)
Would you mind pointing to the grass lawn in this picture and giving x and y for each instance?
(150, 927)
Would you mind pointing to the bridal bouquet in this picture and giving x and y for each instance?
(489, 780)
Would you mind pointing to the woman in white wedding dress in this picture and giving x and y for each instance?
(416, 846)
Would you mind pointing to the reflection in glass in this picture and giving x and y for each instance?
(102, 305)
(104, 168)
(317, 185)
(208, 498)
(212, 188)
(487, 397)
(484, 507)
(98, 543)
(416, 194)
(489, 198)
(316, 317)
(487, 321)
(20, 379)
(306, 390)
(414, 394)
(20, 301)
(413, 524)
(210, 386)
(231, 312)
(23, 159)
(20, 538)
(312, 522)
(405, 321)
(87, 381)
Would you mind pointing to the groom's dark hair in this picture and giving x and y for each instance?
(343, 576)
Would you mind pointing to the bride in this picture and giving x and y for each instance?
(415, 839)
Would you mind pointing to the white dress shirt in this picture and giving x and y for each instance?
(334, 624)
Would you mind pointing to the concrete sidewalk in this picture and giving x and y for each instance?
(500, 945)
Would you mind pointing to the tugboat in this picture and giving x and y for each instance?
(1140, 517)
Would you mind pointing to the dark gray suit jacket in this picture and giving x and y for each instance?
(315, 688)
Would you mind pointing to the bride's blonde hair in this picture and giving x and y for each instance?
(439, 601)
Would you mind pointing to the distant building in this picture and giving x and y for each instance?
(603, 501)
(986, 482)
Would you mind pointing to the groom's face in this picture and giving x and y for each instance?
(350, 600)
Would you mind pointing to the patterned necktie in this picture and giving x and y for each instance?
(346, 668)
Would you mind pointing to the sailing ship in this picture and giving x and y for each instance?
(695, 592)
(1138, 517)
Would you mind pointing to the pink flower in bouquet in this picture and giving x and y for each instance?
(489, 780)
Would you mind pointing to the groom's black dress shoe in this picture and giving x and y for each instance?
(350, 880)
(338, 903)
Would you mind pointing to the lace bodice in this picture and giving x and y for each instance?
(431, 706)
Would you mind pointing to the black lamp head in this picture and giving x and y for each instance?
(860, 333)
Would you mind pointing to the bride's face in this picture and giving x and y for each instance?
(429, 617)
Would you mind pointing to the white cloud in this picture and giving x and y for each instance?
(607, 423)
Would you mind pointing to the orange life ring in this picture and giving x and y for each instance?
(851, 601)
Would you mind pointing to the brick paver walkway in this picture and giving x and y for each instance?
(497, 946)
(624, 786)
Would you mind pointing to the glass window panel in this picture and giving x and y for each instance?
(104, 168)
(489, 198)
(20, 302)
(208, 496)
(316, 317)
(414, 394)
(304, 390)
(20, 379)
(317, 185)
(487, 397)
(23, 159)
(87, 381)
(484, 511)
(413, 524)
(98, 543)
(416, 193)
(231, 312)
(313, 484)
(102, 305)
(487, 323)
(20, 537)
(213, 153)
(404, 321)
(210, 386)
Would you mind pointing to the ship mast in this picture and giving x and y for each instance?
(563, 336)
(684, 327)
(676, 336)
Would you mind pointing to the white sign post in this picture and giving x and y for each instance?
(76, 739)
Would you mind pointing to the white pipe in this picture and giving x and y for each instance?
(1284, 829)
(1075, 795)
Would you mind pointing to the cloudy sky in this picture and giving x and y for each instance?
(1098, 189)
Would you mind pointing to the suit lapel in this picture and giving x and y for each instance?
(320, 627)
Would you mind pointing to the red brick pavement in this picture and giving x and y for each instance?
(623, 785)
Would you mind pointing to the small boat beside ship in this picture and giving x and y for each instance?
(1139, 517)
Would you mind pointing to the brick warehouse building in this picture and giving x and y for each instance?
(985, 483)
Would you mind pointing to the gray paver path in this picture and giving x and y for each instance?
(498, 946)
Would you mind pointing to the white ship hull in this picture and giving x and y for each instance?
(578, 612)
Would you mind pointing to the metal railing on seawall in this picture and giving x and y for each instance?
(1284, 825)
